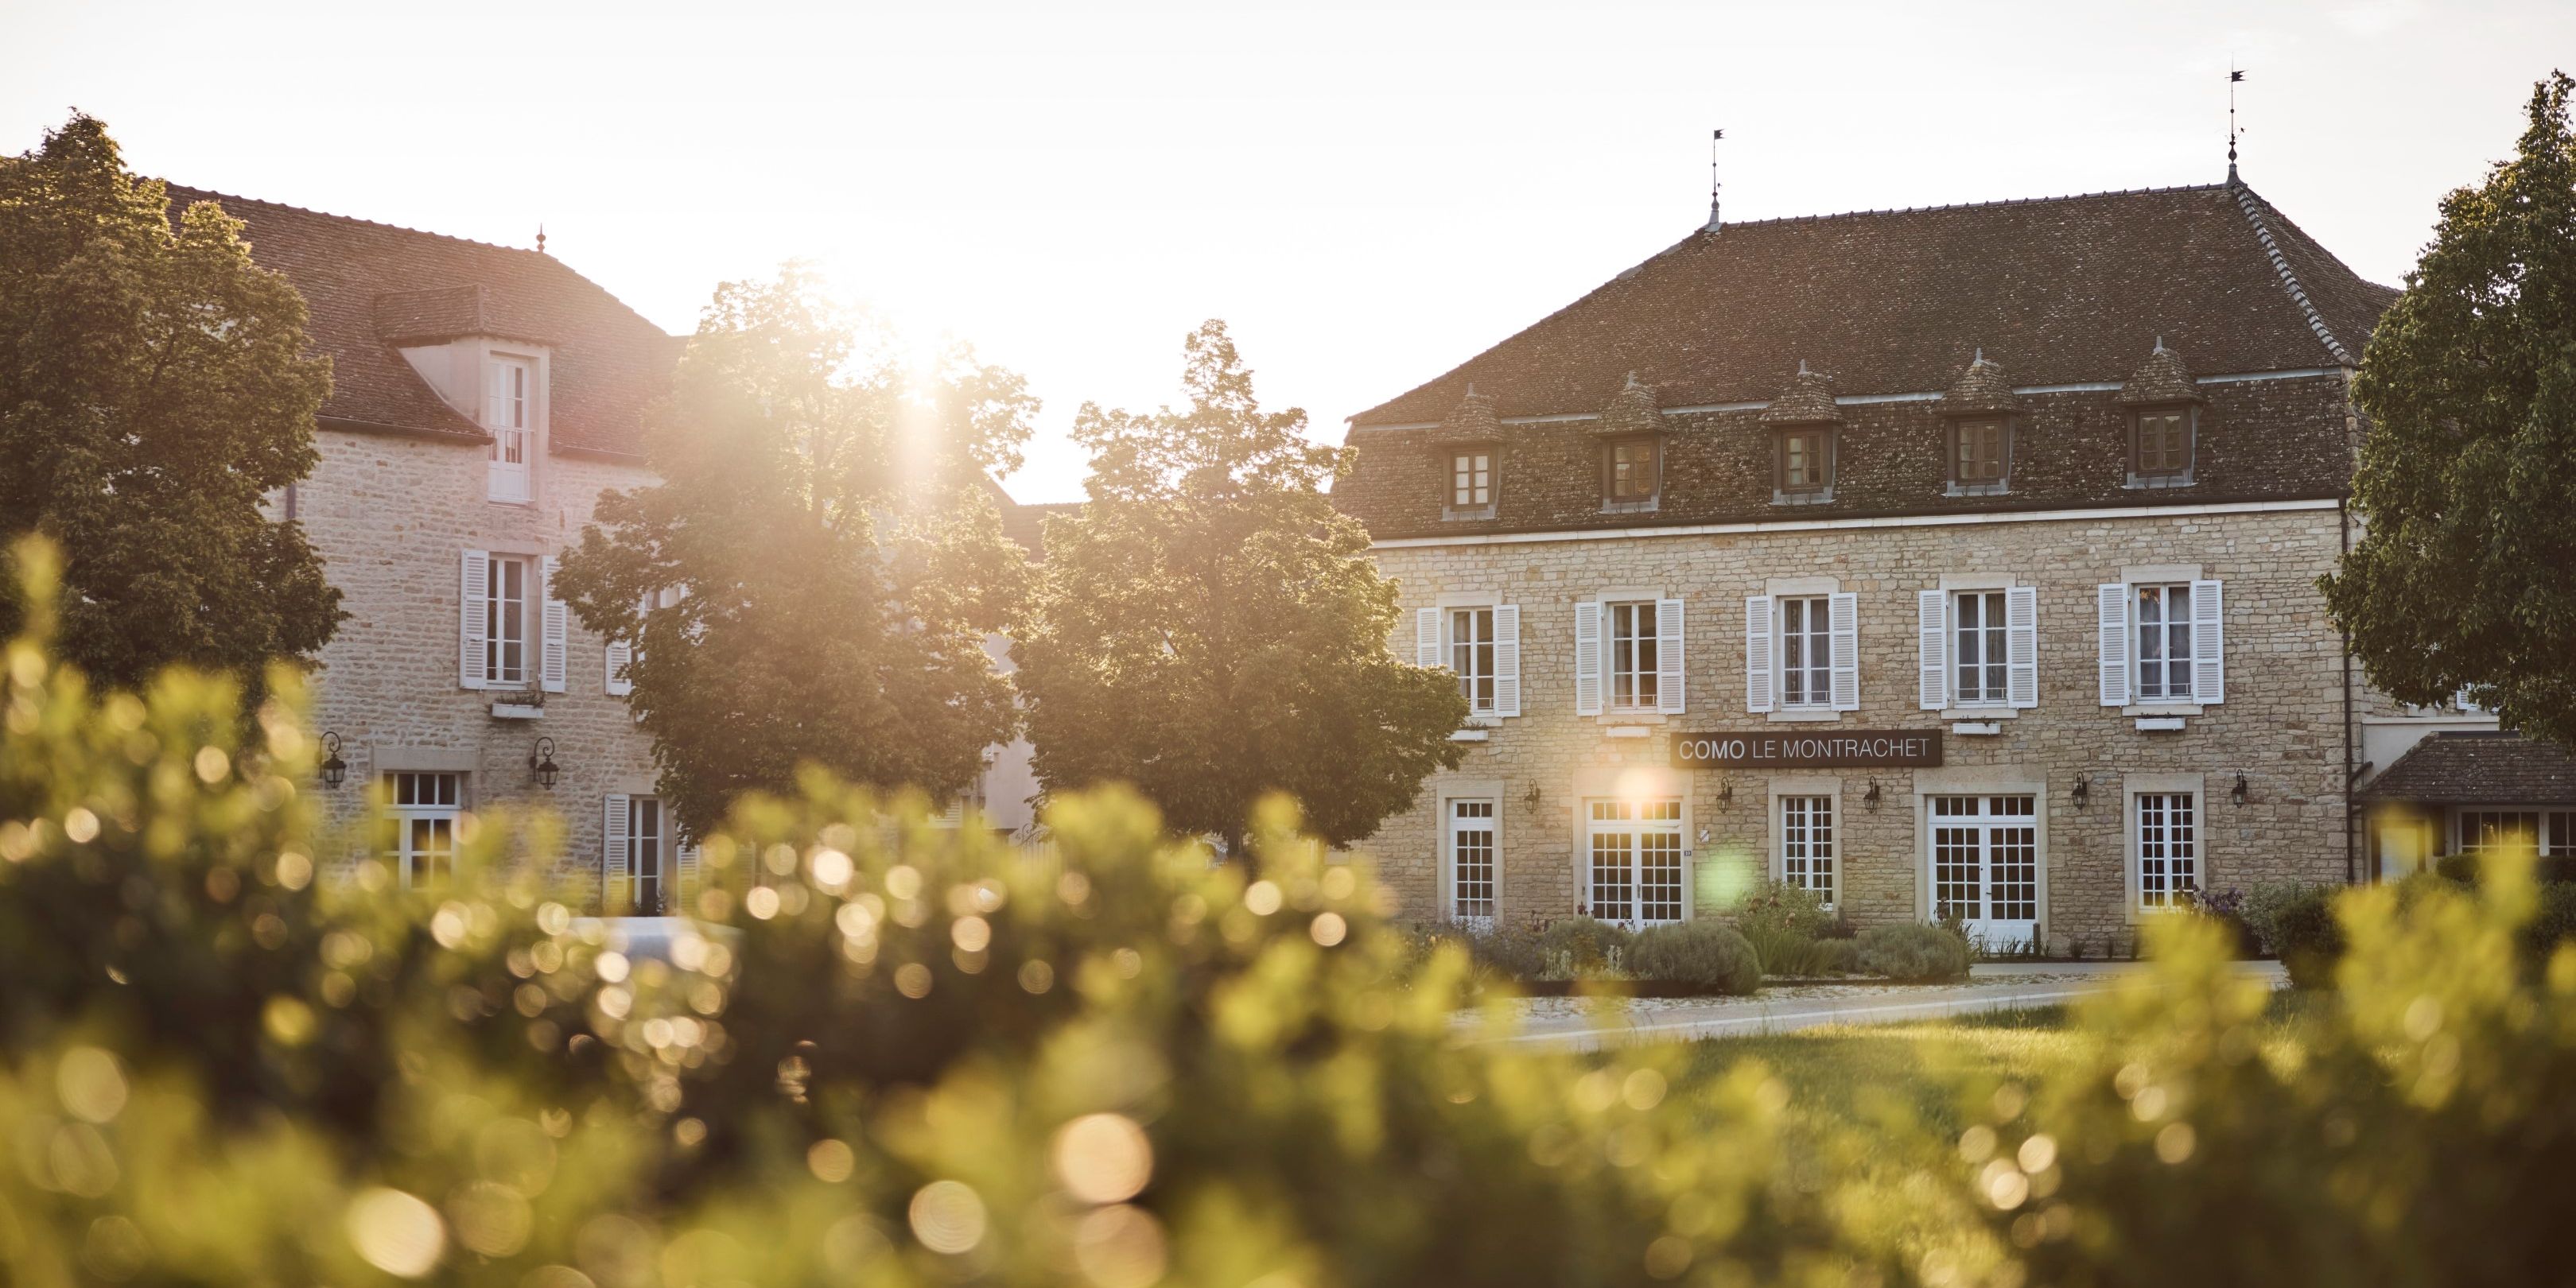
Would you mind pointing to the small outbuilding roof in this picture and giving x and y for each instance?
(2479, 767)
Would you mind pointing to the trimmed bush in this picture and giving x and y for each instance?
(1786, 952)
(1510, 951)
(2551, 925)
(1572, 947)
(2297, 924)
(1911, 952)
(1705, 954)
(1779, 906)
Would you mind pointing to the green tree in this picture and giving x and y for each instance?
(1210, 630)
(823, 559)
(154, 387)
(2465, 577)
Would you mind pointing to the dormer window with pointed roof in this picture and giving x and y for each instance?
(1805, 424)
(2163, 404)
(1472, 438)
(1632, 450)
(1979, 415)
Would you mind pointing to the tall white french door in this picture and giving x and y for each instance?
(1471, 861)
(1635, 874)
(1985, 866)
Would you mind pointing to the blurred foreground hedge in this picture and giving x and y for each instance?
(899, 1055)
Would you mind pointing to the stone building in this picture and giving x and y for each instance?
(483, 398)
(1955, 560)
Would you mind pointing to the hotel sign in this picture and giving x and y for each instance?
(1835, 749)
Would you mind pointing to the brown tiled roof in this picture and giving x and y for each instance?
(2065, 290)
(2160, 379)
(368, 285)
(1809, 400)
(1026, 524)
(2479, 768)
(1981, 388)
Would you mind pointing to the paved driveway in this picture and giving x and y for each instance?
(1585, 1024)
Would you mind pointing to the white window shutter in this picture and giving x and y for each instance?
(1507, 659)
(1669, 673)
(1845, 621)
(1426, 637)
(557, 626)
(618, 654)
(2208, 644)
(2021, 645)
(1587, 658)
(612, 839)
(477, 587)
(2113, 599)
(1757, 653)
(1931, 643)
(492, 411)
(688, 878)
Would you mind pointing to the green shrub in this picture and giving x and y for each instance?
(2552, 925)
(1780, 906)
(2297, 924)
(1510, 951)
(1577, 947)
(1911, 951)
(1786, 952)
(1837, 956)
(1705, 954)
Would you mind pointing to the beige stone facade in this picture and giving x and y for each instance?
(2281, 724)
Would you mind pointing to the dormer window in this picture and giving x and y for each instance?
(1632, 474)
(1803, 464)
(2161, 446)
(1980, 454)
(1471, 483)
(509, 391)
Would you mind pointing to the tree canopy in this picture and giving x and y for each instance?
(822, 560)
(1210, 629)
(2465, 577)
(155, 388)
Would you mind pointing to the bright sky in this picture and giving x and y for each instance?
(1369, 193)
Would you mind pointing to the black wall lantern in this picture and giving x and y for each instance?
(335, 771)
(1532, 798)
(1873, 797)
(2236, 794)
(1726, 793)
(542, 760)
(2083, 790)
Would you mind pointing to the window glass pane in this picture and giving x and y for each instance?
(1471, 655)
(1471, 858)
(1806, 652)
(1634, 652)
(2168, 854)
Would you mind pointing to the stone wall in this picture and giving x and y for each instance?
(390, 516)
(2281, 724)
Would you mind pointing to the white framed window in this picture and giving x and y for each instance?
(513, 631)
(2479, 829)
(1980, 656)
(509, 395)
(1802, 652)
(2163, 642)
(1628, 656)
(1481, 645)
(1635, 666)
(1807, 844)
(423, 808)
(1634, 870)
(1979, 648)
(1471, 656)
(506, 621)
(2167, 837)
(1474, 849)
(1471, 480)
(1806, 651)
(637, 871)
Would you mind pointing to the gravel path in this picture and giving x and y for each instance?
(1582, 1023)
